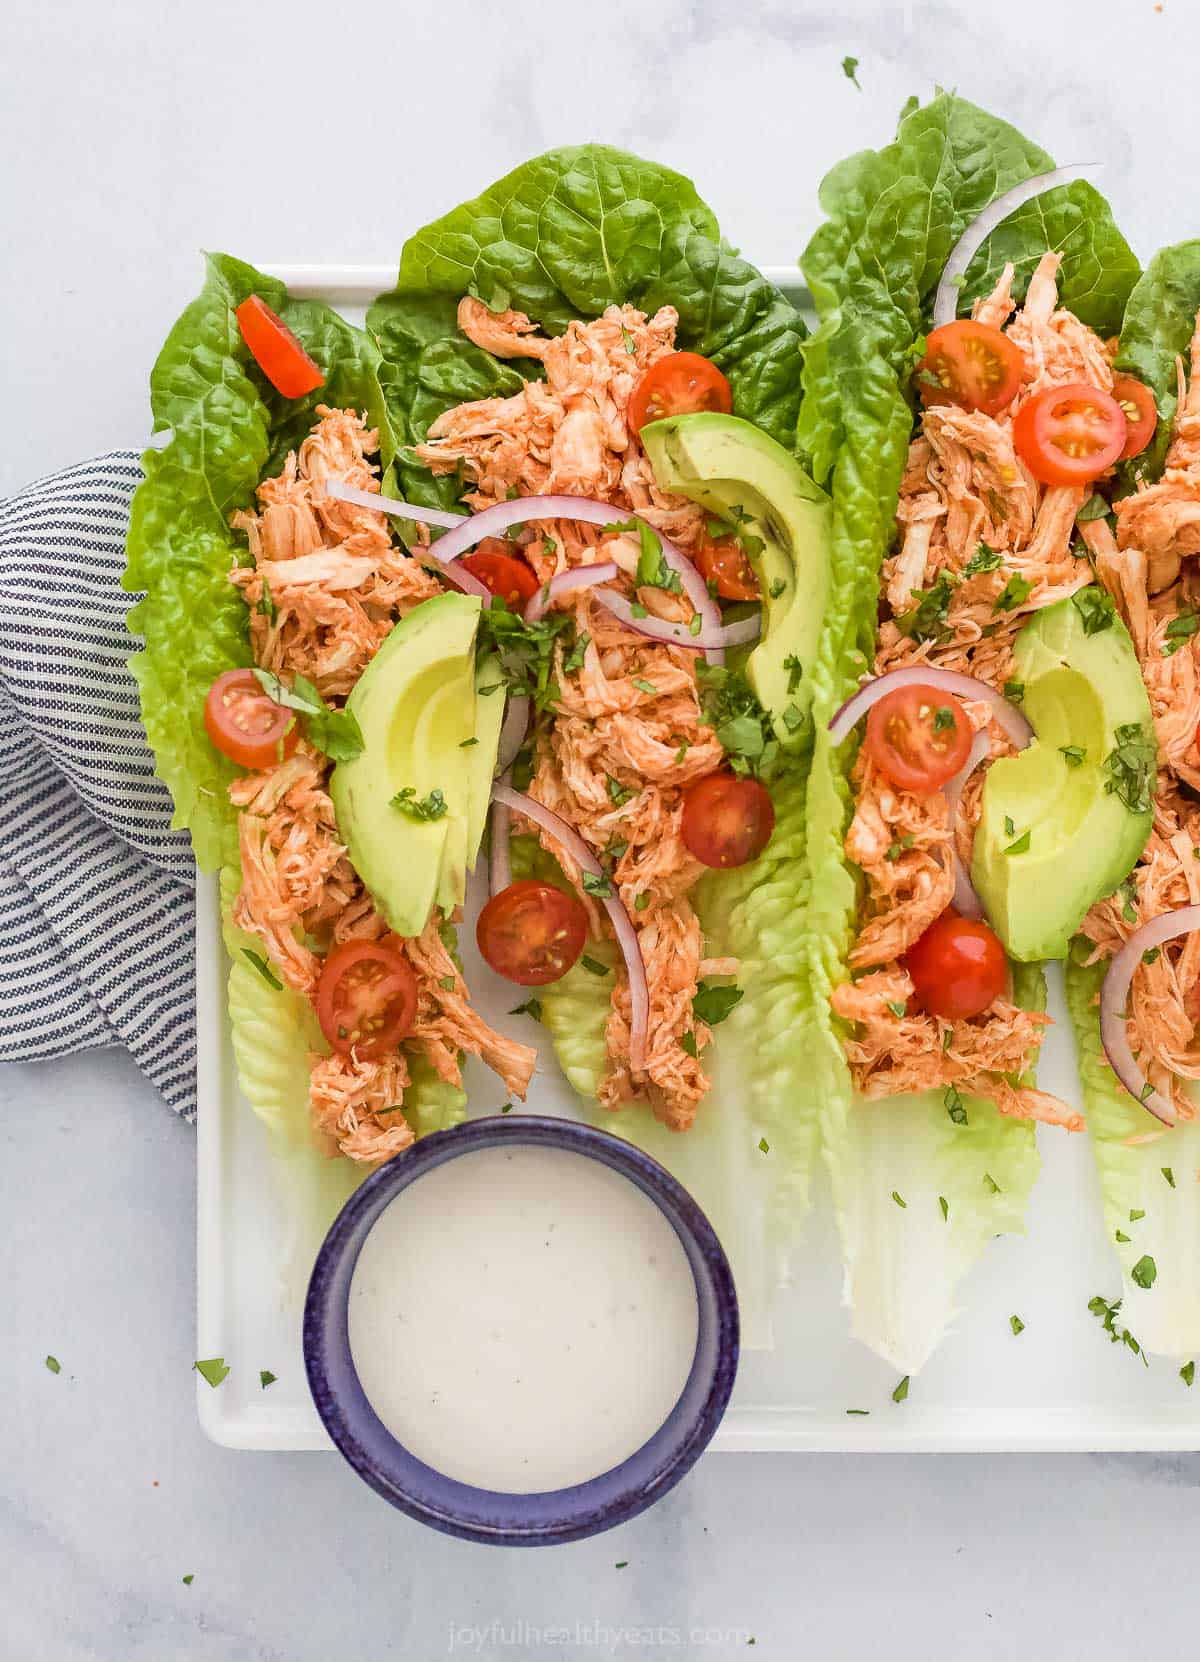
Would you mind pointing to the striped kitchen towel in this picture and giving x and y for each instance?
(96, 937)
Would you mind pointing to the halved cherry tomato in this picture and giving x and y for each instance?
(1141, 413)
(502, 572)
(246, 725)
(958, 967)
(277, 352)
(366, 998)
(724, 564)
(727, 821)
(918, 738)
(532, 932)
(1069, 435)
(972, 365)
(679, 384)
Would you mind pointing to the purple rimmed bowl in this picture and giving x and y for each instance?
(554, 1515)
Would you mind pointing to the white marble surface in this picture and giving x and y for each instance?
(135, 133)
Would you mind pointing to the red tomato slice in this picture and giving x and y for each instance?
(918, 738)
(958, 967)
(679, 384)
(972, 365)
(532, 932)
(246, 725)
(724, 564)
(366, 998)
(502, 572)
(276, 351)
(1140, 412)
(727, 821)
(1069, 435)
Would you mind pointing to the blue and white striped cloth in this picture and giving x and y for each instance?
(97, 928)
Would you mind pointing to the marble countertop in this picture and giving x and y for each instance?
(137, 134)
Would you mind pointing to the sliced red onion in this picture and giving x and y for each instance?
(1008, 717)
(512, 732)
(627, 936)
(499, 863)
(945, 303)
(709, 641)
(966, 901)
(579, 577)
(1114, 993)
(343, 492)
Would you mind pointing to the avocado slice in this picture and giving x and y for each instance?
(1083, 838)
(417, 706)
(740, 475)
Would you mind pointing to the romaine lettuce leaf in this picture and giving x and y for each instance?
(229, 428)
(1160, 319)
(1148, 1189)
(893, 218)
(562, 237)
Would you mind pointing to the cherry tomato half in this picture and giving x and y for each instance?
(680, 384)
(1141, 413)
(1069, 435)
(972, 365)
(366, 997)
(532, 932)
(246, 725)
(276, 351)
(727, 821)
(918, 738)
(724, 564)
(502, 573)
(958, 967)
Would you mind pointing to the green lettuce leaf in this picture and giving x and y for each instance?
(893, 217)
(562, 237)
(1160, 319)
(229, 428)
(1156, 1216)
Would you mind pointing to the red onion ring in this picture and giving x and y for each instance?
(1007, 716)
(512, 732)
(627, 936)
(1185, 920)
(945, 303)
(499, 863)
(711, 642)
(966, 901)
(579, 577)
(342, 492)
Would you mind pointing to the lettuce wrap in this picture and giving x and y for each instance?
(892, 219)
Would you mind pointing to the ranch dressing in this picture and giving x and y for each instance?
(522, 1318)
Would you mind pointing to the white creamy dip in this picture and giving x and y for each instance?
(522, 1318)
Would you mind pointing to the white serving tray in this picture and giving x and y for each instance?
(1059, 1385)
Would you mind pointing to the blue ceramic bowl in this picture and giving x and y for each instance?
(484, 1514)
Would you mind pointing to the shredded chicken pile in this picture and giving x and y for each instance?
(964, 486)
(326, 587)
(613, 757)
(1151, 571)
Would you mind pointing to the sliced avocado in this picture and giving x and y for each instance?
(416, 704)
(481, 757)
(1084, 839)
(743, 477)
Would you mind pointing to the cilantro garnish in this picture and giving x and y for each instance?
(53, 1363)
(764, 1146)
(1095, 607)
(1021, 846)
(213, 1370)
(653, 572)
(743, 727)
(712, 1004)
(926, 618)
(630, 345)
(993, 1188)
(446, 983)
(1129, 899)
(1130, 766)
(266, 606)
(416, 807)
(188, 1579)
(335, 732)
(263, 968)
(943, 718)
(574, 658)
(777, 588)
(1014, 593)
(945, 1206)
(593, 965)
(1017, 1325)
(647, 687)
(1188, 1373)
(1106, 1314)
(641, 901)
(265, 1378)
(795, 670)
(899, 1199)
(952, 1098)
(531, 1007)
(1169, 1174)
(1094, 508)
(1145, 1272)
(1075, 754)
(467, 743)
(1152, 955)
(901, 1391)
(1180, 629)
(618, 794)
(1014, 691)
(597, 885)
(898, 1009)
(983, 559)
(850, 71)
(687, 1043)
(526, 651)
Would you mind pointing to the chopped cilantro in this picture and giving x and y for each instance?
(712, 1004)
(1014, 691)
(1131, 767)
(486, 692)
(188, 1579)
(593, 965)
(1121, 1237)
(644, 686)
(531, 1007)
(945, 1206)
(954, 1104)
(1188, 1373)
(467, 743)
(899, 1199)
(597, 885)
(1014, 593)
(764, 1146)
(990, 1184)
(983, 559)
(574, 658)
(446, 983)
(1075, 754)
(335, 732)
(898, 1009)
(777, 588)
(265, 1378)
(636, 609)
(926, 618)
(630, 345)
(213, 1370)
(1010, 826)
(1017, 1325)
(901, 1391)
(733, 710)
(793, 718)
(1180, 629)
(619, 794)
(858, 1410)
(263, 968)
(1145, 1272)
(795, 670)
(1094, 508)
(416, 807)
(621, 1564)
(641, 902)
(506, 1108)
(266, 606)
(1021, 846)
(1136, 1215)
(1169, 1174)
(653, 572)
(1129, 899)
(1095, 607)
(53, 1363)
(850, 71)
(687, 1043)
(1152, 955)
(695, 624)
(943, 718)
(684, 747)
(526, 652)
(1106, 1314)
